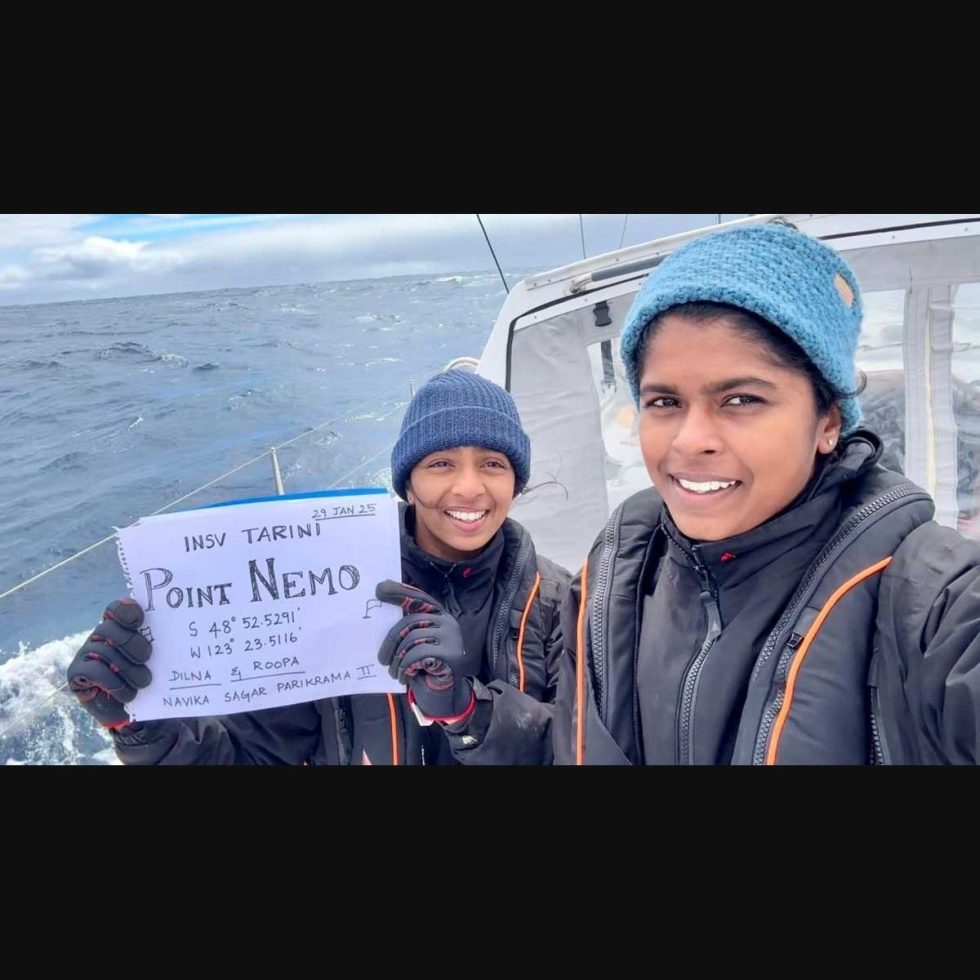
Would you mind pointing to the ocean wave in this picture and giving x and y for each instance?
(42, 723)
(279, 342)
(139, 352)
(325, 438)
(34, 365)
(67, 461)
(126, 348)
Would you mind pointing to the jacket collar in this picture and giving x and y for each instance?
(473, 574)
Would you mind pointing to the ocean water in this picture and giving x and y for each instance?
(111, 409)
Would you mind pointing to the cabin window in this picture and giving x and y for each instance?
(881, 356)
(966, 404)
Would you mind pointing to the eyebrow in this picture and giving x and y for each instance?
(728, 384)
(456, 450)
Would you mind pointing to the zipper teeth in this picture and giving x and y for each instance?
(693, 677)
(764, 728)
(782, 672)
(878, 758)
(866, 511)
(515, 577)
(598, 637)
(687, 705)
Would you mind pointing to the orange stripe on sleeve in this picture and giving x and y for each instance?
(777, 729)
(520, 636)
(393, 715)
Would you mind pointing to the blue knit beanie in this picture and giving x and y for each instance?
(457, 408)
(790, 279)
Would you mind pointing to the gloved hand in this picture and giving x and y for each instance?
(109, 668)
(424, 650)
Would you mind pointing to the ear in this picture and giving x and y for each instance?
(828, 431)
(409, 496)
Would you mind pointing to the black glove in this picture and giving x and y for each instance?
(109, 668)
(424, 650)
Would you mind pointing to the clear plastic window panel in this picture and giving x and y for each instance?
(966, 405)
(624, 469)
(880, 355)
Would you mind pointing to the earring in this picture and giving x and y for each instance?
(831, 443)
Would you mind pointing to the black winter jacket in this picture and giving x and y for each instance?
(845, 630)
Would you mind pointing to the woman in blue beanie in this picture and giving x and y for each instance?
(479, 646)
(777, 596)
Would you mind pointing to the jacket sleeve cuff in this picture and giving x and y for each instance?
(426, 720)
(142, 733)
(470, 733)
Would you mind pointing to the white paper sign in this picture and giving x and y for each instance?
(263, 603)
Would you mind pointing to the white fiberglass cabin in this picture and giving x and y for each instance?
(555, 346)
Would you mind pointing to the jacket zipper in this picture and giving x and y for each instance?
(880, 750)
(598, 634)
(709, 599)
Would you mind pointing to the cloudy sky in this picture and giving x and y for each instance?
(56, 257)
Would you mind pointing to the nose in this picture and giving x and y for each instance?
(698, 432)
(469, 482)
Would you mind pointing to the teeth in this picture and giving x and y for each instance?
(469, 516)
(710, 487)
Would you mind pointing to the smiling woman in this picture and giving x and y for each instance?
(778, 596)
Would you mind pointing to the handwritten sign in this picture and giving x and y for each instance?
(263, 603)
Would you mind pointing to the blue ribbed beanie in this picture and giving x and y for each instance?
(790, 279)
(457, 408)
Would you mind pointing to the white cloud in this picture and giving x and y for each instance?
(39, 229)
(174, 223)
(96, 257)
(323, 247)
(12, 275)
(50, 257)
(321, 237)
